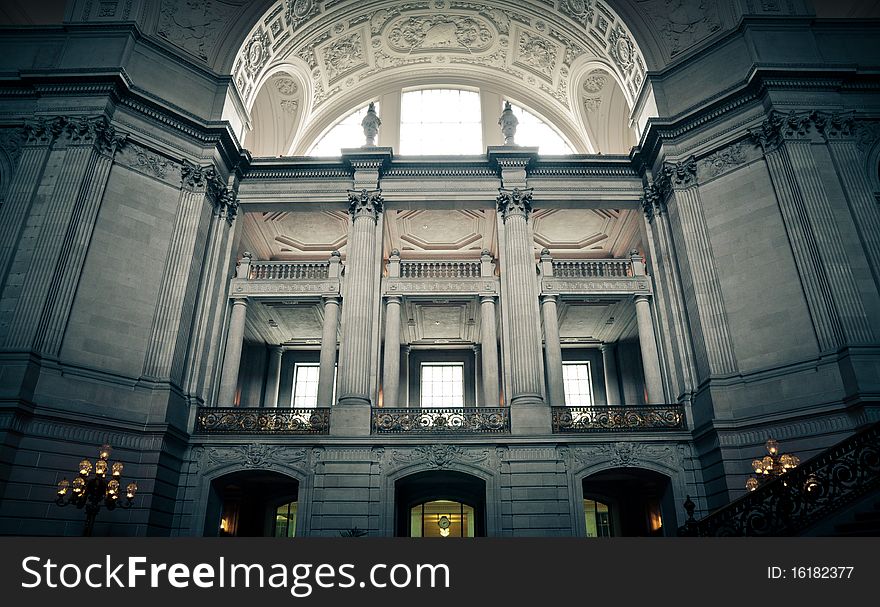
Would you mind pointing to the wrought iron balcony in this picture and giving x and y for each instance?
(442, 420)
(247, 420)
(614, 418)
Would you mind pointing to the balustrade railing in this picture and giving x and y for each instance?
(247, 420)
(445, 420)
(617, 418)
(288, 270)
(798, 499)
(439, 269)
(592, 268)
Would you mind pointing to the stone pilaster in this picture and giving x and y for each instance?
(489, 351)
(356, 351)
(832, 298)
(648, 346)
(609, 367)
(523, 337)
(552, 351)
(391, 362)
(273, 377)
(88, 146)
(327, 367)
(232, 355)
(699, 276)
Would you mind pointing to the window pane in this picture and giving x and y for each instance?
(347, 133)
(577, 383)
(532, 131)
(443, 385)
(440, 121)
(305, 385)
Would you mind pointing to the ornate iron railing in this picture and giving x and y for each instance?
(445, 420)
(439, 269)
(613, 418)
(798, 499)
(288, 270)
(592, 268)
(247, 420)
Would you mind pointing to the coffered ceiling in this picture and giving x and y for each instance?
(596, 319)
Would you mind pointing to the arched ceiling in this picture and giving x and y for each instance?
(341, 54)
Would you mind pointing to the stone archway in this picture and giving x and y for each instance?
(247, 503)
(457, 500)
(628, 502)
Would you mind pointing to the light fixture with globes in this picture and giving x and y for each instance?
(771, 466)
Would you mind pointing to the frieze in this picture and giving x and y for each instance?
(436, 32)
(298, 12)
(537, 54)
(142, 160)
(97, 131)
(725, 160)
(595, 285)
(579, 10)
(344, 56)
(628, 454)
(252, 455)
(452, 285)
(677, 175)
(439, 457)
(282, 287)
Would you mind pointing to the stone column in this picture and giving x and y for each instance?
(609, 365)
(648, 345)
(391, 363)
(529, 414)
(273, 377)
(552, 351)
(356, 352)
(232, 357)
(489, 351)
(327, 372)
(478, 376)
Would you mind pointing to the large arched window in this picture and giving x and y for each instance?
(347, 133)
(441, 122)
(534, 132)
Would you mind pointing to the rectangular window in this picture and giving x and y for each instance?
(440, 121)
(577, 383)
(305, 385)
(442, 384)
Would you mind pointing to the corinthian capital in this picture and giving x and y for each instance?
(835, 125)
(682, 174)
(195, 177)
(97, 131)
(779, 127)
(42, 130)
(652, 202)
(365, 203)
(515, 202)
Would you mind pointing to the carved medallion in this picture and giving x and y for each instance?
(439, 32)
(537, 53)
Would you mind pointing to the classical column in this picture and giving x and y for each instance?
(529, 414)
(273, 377)
(489, 351)
(648, 345)
(356, 349)
(609, 365)
(327, 371)
(232, 356)
(391, 364)
(478, 376)
(552, 351)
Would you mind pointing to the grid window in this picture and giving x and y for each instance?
(440, 121)
(347, 133)
(305, 385)
(285, 520)
(443, 385)
(577, 383)
(532, 131)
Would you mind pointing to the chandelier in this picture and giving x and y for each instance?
(771, 466)
(91, 493)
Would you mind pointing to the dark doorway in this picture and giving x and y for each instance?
(628, 502)
(252, 504)
(440, 503)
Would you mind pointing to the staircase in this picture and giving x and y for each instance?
(837, 492)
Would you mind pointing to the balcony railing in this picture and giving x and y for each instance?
(613, 418)
(439, 269)
(246, 420)
(594, 268)
(287, 270)
(445, 420)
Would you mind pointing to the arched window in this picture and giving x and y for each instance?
(347, 133)
(441, 122)
(534, 132)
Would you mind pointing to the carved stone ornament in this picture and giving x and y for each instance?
(371, 124)
(683, 23)
(653, 203)
(592, 104)
(152, 163)
(257, 52)
(42, 130)
(778, 127)
(514, 202)
(344, 55)
(508, 122)
(289, 106)
(595, 81)
(195, 177)
(537, 53)
(285, 85)
(439, 456)
(194, 25)
(253, 455)
(300, 11)
(626, 454)
(365, 203)
(580, 10)
(682, 174)
(724, 160)
(622, 49)
(96, 131)
(435, 32)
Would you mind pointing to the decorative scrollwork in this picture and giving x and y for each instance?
(446, 420)
(618, 418)
(802, 496)
(240, 420)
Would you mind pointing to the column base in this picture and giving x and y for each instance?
(350, 417)
(530, 418)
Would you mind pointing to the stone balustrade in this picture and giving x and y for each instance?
(288, 270)
(592, 268)
(439, 269)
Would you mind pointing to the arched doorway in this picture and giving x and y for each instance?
(628, 502)
(252, 504)
(441, 504)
